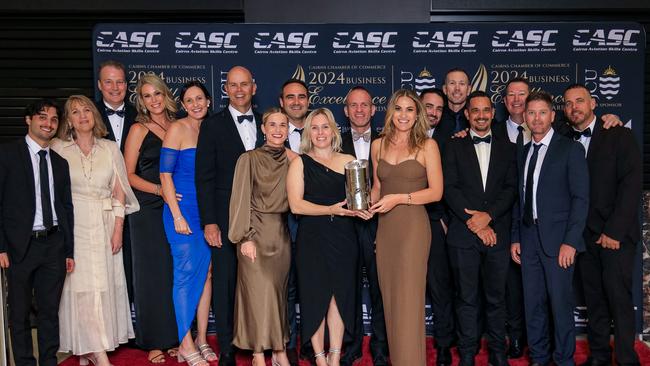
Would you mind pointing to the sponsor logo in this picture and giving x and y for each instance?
(424, 80)
(299, 74)
(444, 42)
(480, 79)
(524, 41)
(604, 86)
(609, 83)
(606, 40)
(285, 42)
(204, 42)
(364, 42)
(128, 42)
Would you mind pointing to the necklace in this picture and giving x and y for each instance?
(158, 124)
(88, 176)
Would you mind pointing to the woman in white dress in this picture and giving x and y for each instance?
(94, 314)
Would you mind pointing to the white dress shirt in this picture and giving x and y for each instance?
(34, 148)
(584, 140)
(117, 123)
(431, 131)
(294, 138)
(513, 131)
(247, 129)
(483, 150)
(361, 147)
(538, 166)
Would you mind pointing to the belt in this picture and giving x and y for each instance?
(45, 232)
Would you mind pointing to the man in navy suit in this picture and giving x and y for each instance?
(480, 189)
(224, 136)
(548, 223)
(36, 233)
(360, 109)
(613, 229)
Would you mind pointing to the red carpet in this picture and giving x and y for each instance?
(132, 357)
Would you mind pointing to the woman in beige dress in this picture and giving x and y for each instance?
(407, 176)
(258, 226)
(94, 314)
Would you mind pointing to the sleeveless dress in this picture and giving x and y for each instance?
(326, 253)
(403, 241)
(94, 314)
(190, 253)
(258, 212)
(155, 326)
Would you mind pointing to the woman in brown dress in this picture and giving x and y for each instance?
(407, 176)
(258, 226)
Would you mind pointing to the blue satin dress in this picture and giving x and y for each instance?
(190, 253)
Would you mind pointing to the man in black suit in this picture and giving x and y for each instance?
(439, 281)
(294, 100)
(118, 117)
(480, 189)
(224, 136)
(612, 231)
(456, 88)
(36, 237)
(548, 223)
(360, 109)
(117, 114)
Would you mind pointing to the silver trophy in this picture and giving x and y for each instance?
(357, 184)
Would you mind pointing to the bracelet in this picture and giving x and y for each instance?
(179, 218)
(408, 199)
(157, 190)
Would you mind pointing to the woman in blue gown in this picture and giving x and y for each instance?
(190, 251)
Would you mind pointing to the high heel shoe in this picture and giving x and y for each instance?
(89, 358)
(320, 354)
(331, 352)
(207, 353)
(193, 359)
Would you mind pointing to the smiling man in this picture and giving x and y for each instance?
(456, 88)
(118, 114)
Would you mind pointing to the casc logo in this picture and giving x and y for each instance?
(108, 39)
(440, 39)
(203, 40)
(602, 37)
(363, 40)
(281, 40)
(521, 38)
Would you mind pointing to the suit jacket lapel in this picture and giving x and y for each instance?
(259, 141)
(596, 135)
(472, 160)
(29, 171)
(494, 157)
(548, 158)
(230, 125)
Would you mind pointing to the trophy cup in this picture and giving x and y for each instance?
(357, 184)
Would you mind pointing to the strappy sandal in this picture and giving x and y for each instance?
(157, 359)
(331, 352)
(207, 353)
(193, 359)
(321, 354)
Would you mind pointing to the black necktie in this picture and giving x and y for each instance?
(457, 126)
(528, 197)
(578, 134)
(477, 140)
(46, 202)
(520, 144)
(299, 130)
(119, 112)
(245, 117)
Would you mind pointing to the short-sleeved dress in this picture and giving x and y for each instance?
(326, 253)
(258, 212)
(94, 314)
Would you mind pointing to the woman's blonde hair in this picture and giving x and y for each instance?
(305, 141)
(67, 132)
(418, 133)
(170, 104)
(270, 111)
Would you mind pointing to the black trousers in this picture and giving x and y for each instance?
(607, 282)
(515, 302)
(474, 266)
(41, 272)
(440, 286)
(366, 232)
(224, 282)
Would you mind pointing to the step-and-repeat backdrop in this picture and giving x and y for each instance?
(332, 58)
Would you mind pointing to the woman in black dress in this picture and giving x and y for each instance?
(326, 249)
(152, 262)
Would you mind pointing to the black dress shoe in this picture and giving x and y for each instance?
(349, 358)
(292, 355)
(443, 356)
(497, 359)
(516, 349)
(380, 360)
(596, 362)
(227, 359)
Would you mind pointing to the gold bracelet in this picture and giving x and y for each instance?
(408, 201)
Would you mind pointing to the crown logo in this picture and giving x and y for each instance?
(609, 71)
(425, 73)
